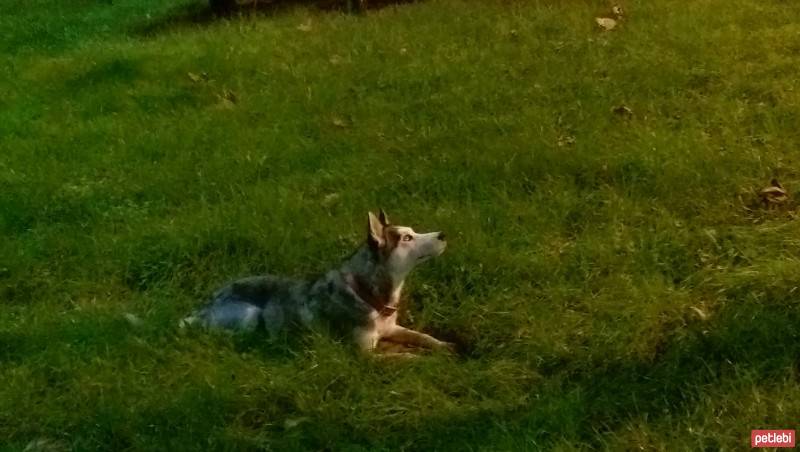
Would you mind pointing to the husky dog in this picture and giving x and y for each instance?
(358, 300)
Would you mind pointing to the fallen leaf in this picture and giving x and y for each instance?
(617, 10)
(700, 313)
(292, 423)
(227, 99)
(339, 122)
(565, 140)
(306, 27)
(229, 95)
(623, 110)
(774, 194)
(606, 23)
(197, 78)
(45, 445)
(133, 319)
(330, 199)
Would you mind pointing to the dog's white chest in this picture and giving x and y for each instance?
(384, 324)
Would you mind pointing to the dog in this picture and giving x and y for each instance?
(358, 301)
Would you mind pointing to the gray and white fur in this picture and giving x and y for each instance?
(358, 300)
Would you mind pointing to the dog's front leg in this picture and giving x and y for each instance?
(404, 335)
(366, 339)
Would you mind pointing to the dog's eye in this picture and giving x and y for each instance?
(407, 238)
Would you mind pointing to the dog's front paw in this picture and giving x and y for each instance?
(449, 347)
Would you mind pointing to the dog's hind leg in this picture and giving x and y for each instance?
(235, 316)
(274, 320)
(187, 322)
(196, 319)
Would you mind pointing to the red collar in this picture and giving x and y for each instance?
(378, 303)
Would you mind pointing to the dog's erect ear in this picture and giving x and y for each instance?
(384, 218)
(374, 231)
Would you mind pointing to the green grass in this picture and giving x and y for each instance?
(611, 286)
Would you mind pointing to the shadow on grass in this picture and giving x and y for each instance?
(747, 345)
(198, 14)
(83, 337)
(578, 402)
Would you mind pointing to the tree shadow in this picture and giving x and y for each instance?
(207, 12)
(578, 401)
(582, 402)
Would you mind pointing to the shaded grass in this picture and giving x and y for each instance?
(609, 284)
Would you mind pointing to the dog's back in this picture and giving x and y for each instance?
(244, 304)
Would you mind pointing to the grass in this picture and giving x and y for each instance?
(612, 278)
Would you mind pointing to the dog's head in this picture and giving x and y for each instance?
(399, 248)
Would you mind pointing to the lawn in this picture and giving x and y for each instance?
(612, 278)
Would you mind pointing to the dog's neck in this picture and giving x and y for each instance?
(370, 281)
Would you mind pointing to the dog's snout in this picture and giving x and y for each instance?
(441, 236)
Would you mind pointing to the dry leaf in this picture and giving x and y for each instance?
(330, 198)
(339, 122)
(133, 319)
(606, 23)
(229, 95)
(617, 10)
(565, 140)
(45, 445)
(305, 27)
(623, 110)
(197, 78)
(774, 194)
(228, 98)
(292, 423)
(700, 313)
